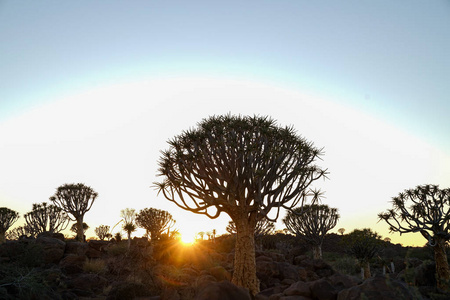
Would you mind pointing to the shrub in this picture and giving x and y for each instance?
(346, 265)
(95, 266)
(117, 249)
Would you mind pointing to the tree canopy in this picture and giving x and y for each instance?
(245, 167)
(7, 218)
(311, 223)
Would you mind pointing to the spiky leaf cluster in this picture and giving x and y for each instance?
(363, 244)
(45, 218)
(263, 227)
(311, 222)
(155, 221)
(238, 164)
(7, 218)
(425, 209)
(128, 216)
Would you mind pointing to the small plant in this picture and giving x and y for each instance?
(94, 266)
(346, 265)
(117, 249)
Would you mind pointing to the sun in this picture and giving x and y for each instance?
(187, 239)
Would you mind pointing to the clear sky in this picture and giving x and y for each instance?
(91, 92)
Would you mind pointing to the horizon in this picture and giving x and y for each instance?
(91, 93)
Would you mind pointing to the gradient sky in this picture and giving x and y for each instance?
(91, 92)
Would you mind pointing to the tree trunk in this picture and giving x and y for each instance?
(244, 273)
(2, 237)
(80, 231)
(129, 239)
(317, 251)
(442, 269)
(365, 270)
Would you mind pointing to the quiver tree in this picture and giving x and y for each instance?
(102, 232)
(245, 167)
(75, 200)
(311, 223)
(155, 222)
(128, 216)
(45, 218)
(425, 209)
(16, 233)
(363, 245)
(7, 218)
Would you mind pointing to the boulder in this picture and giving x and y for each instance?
(299, 288)
(220, 273)
(223, 290)
(77, 248)
(341, 281)
(87, 282)
(98, 245)
(52, 249)
(288, 271)
(72, 264)
(378, 287)
(323, 290)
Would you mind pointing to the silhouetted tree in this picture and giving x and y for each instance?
(341, 231)
(155, 221)
(16, 233)
(363, 245)
(242, 166)
(7, 218)
(311, 223)
(45, 218)
(74, 229)
(128, 216)
(76, 200)
(102, 232)
(425, 209)
(200, 235)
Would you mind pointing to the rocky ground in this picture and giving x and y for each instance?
(50, 267)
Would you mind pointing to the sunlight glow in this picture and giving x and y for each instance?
(187, 239)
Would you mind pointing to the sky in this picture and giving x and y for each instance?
(92, 91)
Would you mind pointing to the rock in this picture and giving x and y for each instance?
(72, 264)
(295, 298)
(87, 282)
(266, 271)
(129, 290)
(302, 273)
(98, 245)
(223, 290)
(322, 269)
(76, 248)
(263, 258)
(204, 280)
(298, 259)
(220, 273)
(378, 287)
(341, 281)
(55, 235)
(288, 271)
(53, 249)
(323, 290)
(299, 288)
(92, 253)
